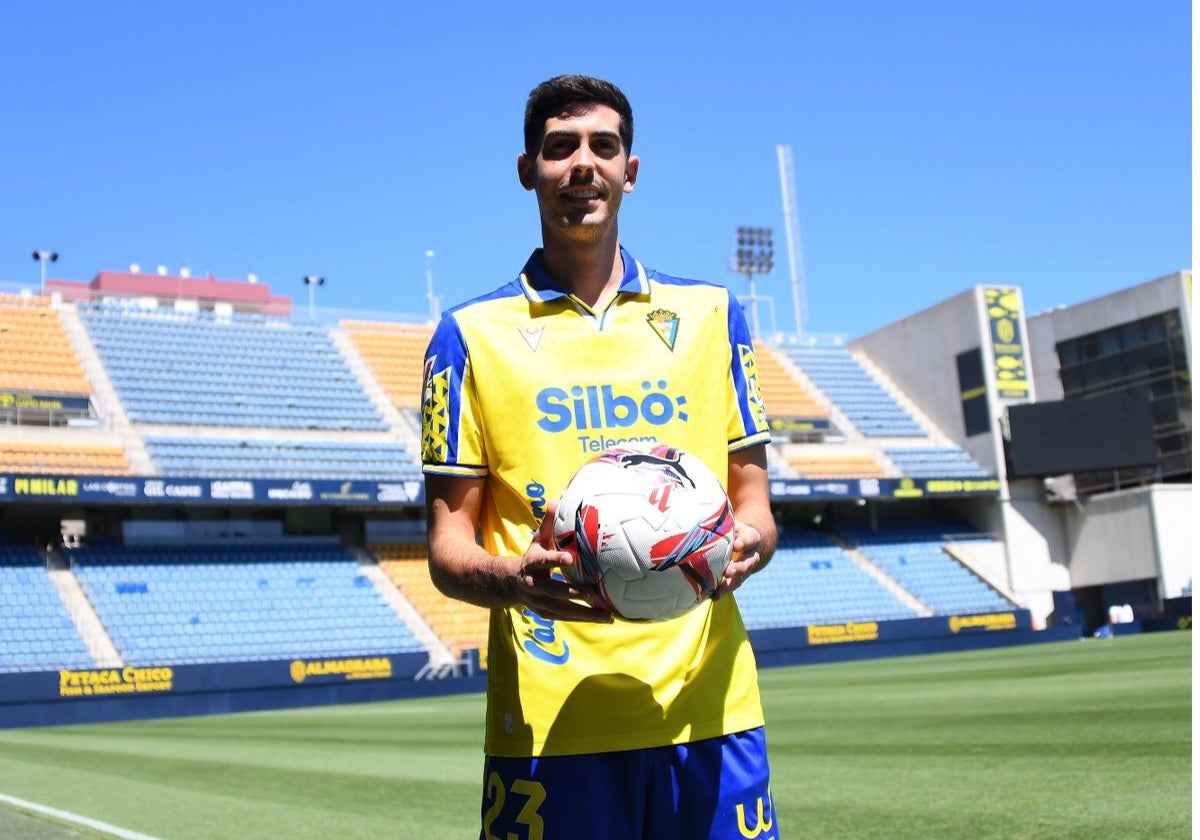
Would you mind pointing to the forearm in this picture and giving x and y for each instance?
(460, 568)
(751, 499)
(458, 565)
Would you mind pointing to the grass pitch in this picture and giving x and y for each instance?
(1088, 740)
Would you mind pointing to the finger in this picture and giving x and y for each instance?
(746, 540)
(745, 565)
(545, 532)
(726, 586)
(742, 566)
(547, 555)
(547, 583)
(550, 594)
(735, 575)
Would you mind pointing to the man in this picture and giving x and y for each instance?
(596, 729)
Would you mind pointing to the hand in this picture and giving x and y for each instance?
(746, 559)
(554, 596)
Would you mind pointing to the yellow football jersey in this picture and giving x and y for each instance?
(524, 385)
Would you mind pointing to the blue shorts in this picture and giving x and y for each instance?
(716, 789)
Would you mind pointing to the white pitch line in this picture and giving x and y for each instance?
(77, 819)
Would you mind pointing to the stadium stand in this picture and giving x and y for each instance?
(934, 462)
(814, 581)
(915, 555)
(826, 461)
(36, 631)
(236, 369)
(395, 355)
(179, 604)
(461, 626)
(857, 394)
(62, 458)
(254, 458)
(232, 392)
(782, 393)
(35, 353)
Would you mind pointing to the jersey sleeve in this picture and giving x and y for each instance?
(451, 439)
(747, 413)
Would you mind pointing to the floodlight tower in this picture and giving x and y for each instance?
(434, 307)
(312, 282)
(754, 254)
(43, 257)
(787, 182)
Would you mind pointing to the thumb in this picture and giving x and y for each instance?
(545, 531)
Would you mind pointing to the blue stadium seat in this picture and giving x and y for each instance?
(863, 401)
(935, 462)
(204, 603)
(254, 458)
(813, 581)
(240, 370)
(37, 634)
(915, 556)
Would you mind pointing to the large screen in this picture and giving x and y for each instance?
(1081, 435)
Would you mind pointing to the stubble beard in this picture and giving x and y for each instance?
(580, 232)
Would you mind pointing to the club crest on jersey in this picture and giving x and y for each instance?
(665, 325)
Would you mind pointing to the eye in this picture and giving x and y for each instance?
(558, 147)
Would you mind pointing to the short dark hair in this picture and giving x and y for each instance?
(571, 94)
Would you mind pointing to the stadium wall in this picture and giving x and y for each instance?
(1033, 538)
(910, 637)
(1137, 534)
(1172, 292)
(54, 698)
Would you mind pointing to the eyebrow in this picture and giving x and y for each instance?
(561, 132)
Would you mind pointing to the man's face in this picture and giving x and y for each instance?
(580, 174)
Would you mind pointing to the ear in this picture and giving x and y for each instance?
(525, 170)
(631, 172)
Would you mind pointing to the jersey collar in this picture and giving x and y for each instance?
(540, 287)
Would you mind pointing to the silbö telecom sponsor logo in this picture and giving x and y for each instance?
(597, 409)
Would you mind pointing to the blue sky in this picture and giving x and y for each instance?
(938, 144)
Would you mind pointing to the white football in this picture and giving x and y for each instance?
(652, 527)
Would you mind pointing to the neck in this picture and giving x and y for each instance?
(591, 272)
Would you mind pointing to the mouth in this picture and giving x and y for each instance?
(582, 194)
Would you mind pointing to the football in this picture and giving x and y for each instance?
(652, 527)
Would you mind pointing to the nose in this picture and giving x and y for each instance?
(584, 163)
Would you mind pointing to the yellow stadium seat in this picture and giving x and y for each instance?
(459, 625)
(783, 394)
(395, 354)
